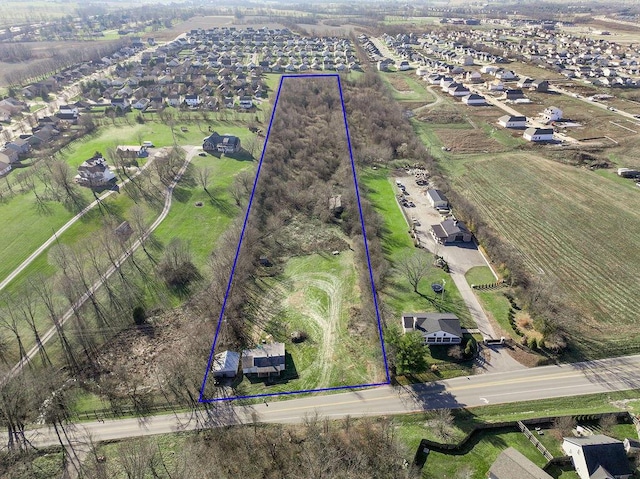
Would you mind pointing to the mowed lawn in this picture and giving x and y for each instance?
(573, 228)
(397, 295)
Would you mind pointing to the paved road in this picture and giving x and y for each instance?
(46, 337)
(602, 376)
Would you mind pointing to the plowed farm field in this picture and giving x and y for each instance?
(577, 229)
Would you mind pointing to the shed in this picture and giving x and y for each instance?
(437, 199)
(511, 463)
(225, 364)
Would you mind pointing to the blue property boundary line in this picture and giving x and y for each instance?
(235, 260)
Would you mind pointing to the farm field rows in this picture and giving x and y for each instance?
(573, 228)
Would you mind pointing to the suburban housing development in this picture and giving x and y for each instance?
(340, 240)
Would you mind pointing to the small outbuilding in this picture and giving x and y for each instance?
(437, 199)
(225, 364)
(512, 463)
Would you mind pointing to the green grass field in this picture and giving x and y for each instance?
(317, 294)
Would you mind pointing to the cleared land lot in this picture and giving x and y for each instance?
(573, 227)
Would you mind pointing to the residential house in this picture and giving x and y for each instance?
(597, 454)
(120, 103)
(540, 85)
(437, 199)
(458, 90)
(524, 82)
(474, 100)
(511, 463)
(551, 114)
(221, 143)
(225, 364)
(131, 152)
(173, 99)
(94, 172)
(436, 328)
(20, 146)
(403, 65)
(246, 102)
(451, 231)
(141, 104)
(5, 168)
(511, 121)
(474, 77)
(265, 360)
(538, 134)
(513, 94)
(9, 156)
(505, 74)
(631, 446)
(495, 85)
(192, 100)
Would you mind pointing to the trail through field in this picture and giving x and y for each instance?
(320, 299)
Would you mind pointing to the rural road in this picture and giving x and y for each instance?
(601, 376)
(191, 152)
(68, 224)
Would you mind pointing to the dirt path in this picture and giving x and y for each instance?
(327, 317)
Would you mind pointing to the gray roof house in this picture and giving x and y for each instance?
(451, 231)
(597, 456)
(512, 463)
(264, 360)
(437, 328)
(225, 364)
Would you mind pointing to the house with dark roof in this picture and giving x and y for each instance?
(221, 143)
(511, 463)
(597, 456)
(264, 360)
(436, 328)
(513, 121)
(94, 172)
(451, 231)
(513, 94)
(538, 134)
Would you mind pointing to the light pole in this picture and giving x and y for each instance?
(444, 282)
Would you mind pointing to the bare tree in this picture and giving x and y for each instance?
(203, 175)
(414, 267)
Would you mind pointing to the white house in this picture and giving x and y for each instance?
(495, 85)
(403, 65)
(94, 172)
(474, 77)
(511, 121)
(597, 453)
(474, 99)
(458, 90)
(437, 199)
(436, 328)
(505, 75)
(552, 114)
(246, 102)
(538, 134)
(491, 69)
(225, 364)
(192, 100)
